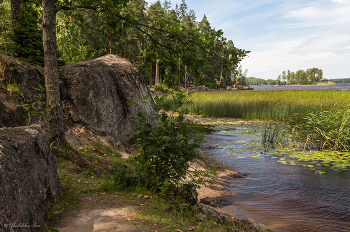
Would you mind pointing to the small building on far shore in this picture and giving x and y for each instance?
(326, 83)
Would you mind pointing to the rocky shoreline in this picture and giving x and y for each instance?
(213, 197)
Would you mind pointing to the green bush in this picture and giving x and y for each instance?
(124, 174)
(161, 87)
(211, 85)
(38, 106)
(167, 147)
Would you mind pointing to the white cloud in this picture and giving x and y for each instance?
(348, 47)
(319, 13)
(331, 41)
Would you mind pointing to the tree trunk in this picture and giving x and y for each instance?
(179, 74)
(55, 121)
(15, 8)
(150, 76)
(126, 32)
(157, 73)
(185, 76)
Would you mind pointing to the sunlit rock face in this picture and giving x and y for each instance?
(104, 93)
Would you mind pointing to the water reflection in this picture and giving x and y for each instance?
(284, 197)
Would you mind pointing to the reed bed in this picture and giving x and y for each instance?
(267, 105)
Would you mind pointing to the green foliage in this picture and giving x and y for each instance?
(13, 88)
(145, 34)
(167, 147)
(342, 80)
(23, 41)
(256, 81)
(166, 150)
(73, 36)
(211, 85)
(301, 77)
(161, 87)
(39, 105)
(124, 174)
(5, 27)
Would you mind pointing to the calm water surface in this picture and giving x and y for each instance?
(283, 197)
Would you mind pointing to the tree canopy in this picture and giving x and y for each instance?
(136, 30)
(146, 35)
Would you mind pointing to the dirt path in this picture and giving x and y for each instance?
(104, 212)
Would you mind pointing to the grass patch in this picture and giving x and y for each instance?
(266, 105)
(166, 218)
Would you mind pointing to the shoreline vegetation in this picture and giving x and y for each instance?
(266, 104)
(317, 121)
(114, 178)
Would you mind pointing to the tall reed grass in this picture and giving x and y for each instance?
(328, 129)
(266, 105)
(314, 118)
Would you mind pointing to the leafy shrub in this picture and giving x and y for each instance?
(124, 174)
(161, 87)
(38, 106)
(211, 85)
(167, 147)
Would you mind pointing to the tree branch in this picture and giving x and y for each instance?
(89, 7)
(169, 48)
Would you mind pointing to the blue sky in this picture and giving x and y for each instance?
(285, 34)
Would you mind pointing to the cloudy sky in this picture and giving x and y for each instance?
(284, 34)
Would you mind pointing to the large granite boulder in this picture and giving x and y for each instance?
(10, 109)
(103, 94)
(28, 178)
(25, 76)
(18, 83)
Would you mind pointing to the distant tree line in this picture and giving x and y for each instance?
(344, 80)
(300, 77)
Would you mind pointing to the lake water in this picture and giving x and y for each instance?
(283, 197)
(318, 87)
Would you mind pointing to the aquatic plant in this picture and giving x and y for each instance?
(327, 129)
(266, 105)
(274, 133)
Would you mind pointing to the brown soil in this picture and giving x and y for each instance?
(216, 194)
(104, 212)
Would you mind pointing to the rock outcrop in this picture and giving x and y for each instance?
(103, 94)
(10, 110)
(28, 178)
(99, 96)
(25, 76)
(245, 224)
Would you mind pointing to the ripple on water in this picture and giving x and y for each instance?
(283, 197)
